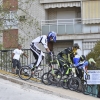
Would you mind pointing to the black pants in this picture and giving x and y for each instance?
(16, 63)
(79, 73)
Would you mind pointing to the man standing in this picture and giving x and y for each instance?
(16, 58)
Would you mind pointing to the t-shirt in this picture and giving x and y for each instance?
(17, 54)
(41, 39)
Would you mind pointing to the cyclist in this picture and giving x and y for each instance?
(37, 53)
(82, 65)
(65, 57)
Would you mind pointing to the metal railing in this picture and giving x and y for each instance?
(6, 60)
(71, 26)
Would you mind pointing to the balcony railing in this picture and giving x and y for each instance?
(71, 26)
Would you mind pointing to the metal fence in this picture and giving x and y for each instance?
(6, 60)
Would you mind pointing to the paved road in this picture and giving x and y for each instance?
(13, 91)
(45, 89)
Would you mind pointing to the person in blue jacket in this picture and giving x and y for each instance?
(82, 64)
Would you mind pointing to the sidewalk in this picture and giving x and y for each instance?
(45, 88)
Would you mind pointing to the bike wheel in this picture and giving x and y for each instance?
(64, 83)
(54, 76)
(25, 73)
(73, 83)
(86, 88)
(45, 80)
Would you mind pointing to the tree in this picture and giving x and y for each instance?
(95, 53)
(15, 14)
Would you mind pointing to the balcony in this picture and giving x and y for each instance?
(70, 26)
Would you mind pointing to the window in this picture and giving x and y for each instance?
(89, 45)
(10, 20)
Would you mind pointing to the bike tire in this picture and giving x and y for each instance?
(45, 80)
(64, 83)
(25, 73)
(73, 83)
(86, 88)
(54, 76)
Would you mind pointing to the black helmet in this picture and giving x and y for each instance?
(82, 58)
(76, 45)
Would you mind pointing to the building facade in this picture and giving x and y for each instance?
(74, 21)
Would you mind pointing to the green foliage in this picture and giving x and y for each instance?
(1, 46)
(22, 19)
(95, 54)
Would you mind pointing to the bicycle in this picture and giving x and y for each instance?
(27, 72)
(54, 75)
(64, 80)
(82, 84)
(63, 76)
(45, 80)
(73, 82)
(86, 88)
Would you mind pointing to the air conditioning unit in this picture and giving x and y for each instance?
(22, 18)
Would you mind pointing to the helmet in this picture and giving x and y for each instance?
(51, 35)
(82, 58)
(91, 60)
(76, 45)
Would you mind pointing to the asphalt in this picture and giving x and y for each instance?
(36, 84)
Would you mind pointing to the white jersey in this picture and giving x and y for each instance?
(17, 54)
(41, 39)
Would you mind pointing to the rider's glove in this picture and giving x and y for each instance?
(71, 65)
(86, 73)
(51, 53)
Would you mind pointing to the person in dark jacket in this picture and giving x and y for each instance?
(65, 57)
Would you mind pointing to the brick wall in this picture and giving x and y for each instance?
(10, 5)
(10, 38)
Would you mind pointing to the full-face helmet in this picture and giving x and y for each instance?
(51, 36)
(76, 46)
(82, 58)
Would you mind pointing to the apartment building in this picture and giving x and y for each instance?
(75, 21)
(9, 26)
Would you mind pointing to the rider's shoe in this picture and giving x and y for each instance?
(38, 69)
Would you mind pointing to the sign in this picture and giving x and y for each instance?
(93, 77)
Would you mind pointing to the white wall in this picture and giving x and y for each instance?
(86, 52)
